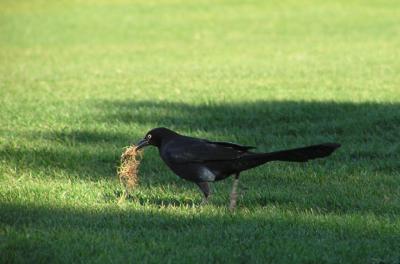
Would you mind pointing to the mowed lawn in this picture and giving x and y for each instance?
(80, 80)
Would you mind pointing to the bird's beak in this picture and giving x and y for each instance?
(141, 144)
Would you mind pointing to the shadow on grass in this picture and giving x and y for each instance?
(80, 163)
(261, 119)
(38, 234)
(74, 137)
(368, 132)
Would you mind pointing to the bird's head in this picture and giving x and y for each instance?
(155, 137)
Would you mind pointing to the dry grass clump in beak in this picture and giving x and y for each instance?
(128, 170)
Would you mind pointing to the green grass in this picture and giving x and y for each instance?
(79, 80)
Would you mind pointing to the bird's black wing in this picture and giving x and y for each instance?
(231, 145)
(203, 150)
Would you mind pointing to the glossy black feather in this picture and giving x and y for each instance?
(196, 151)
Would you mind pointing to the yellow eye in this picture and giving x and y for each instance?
(148, 136)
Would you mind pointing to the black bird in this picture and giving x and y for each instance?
(202, 161)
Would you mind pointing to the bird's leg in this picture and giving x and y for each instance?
(206, 191)
(234, 194)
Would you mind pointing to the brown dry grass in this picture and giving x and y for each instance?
(128, 170)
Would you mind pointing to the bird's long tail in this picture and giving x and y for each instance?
(302, 154)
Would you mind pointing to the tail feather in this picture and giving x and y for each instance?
(303, 154)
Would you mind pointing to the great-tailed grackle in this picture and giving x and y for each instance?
(202, 161)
